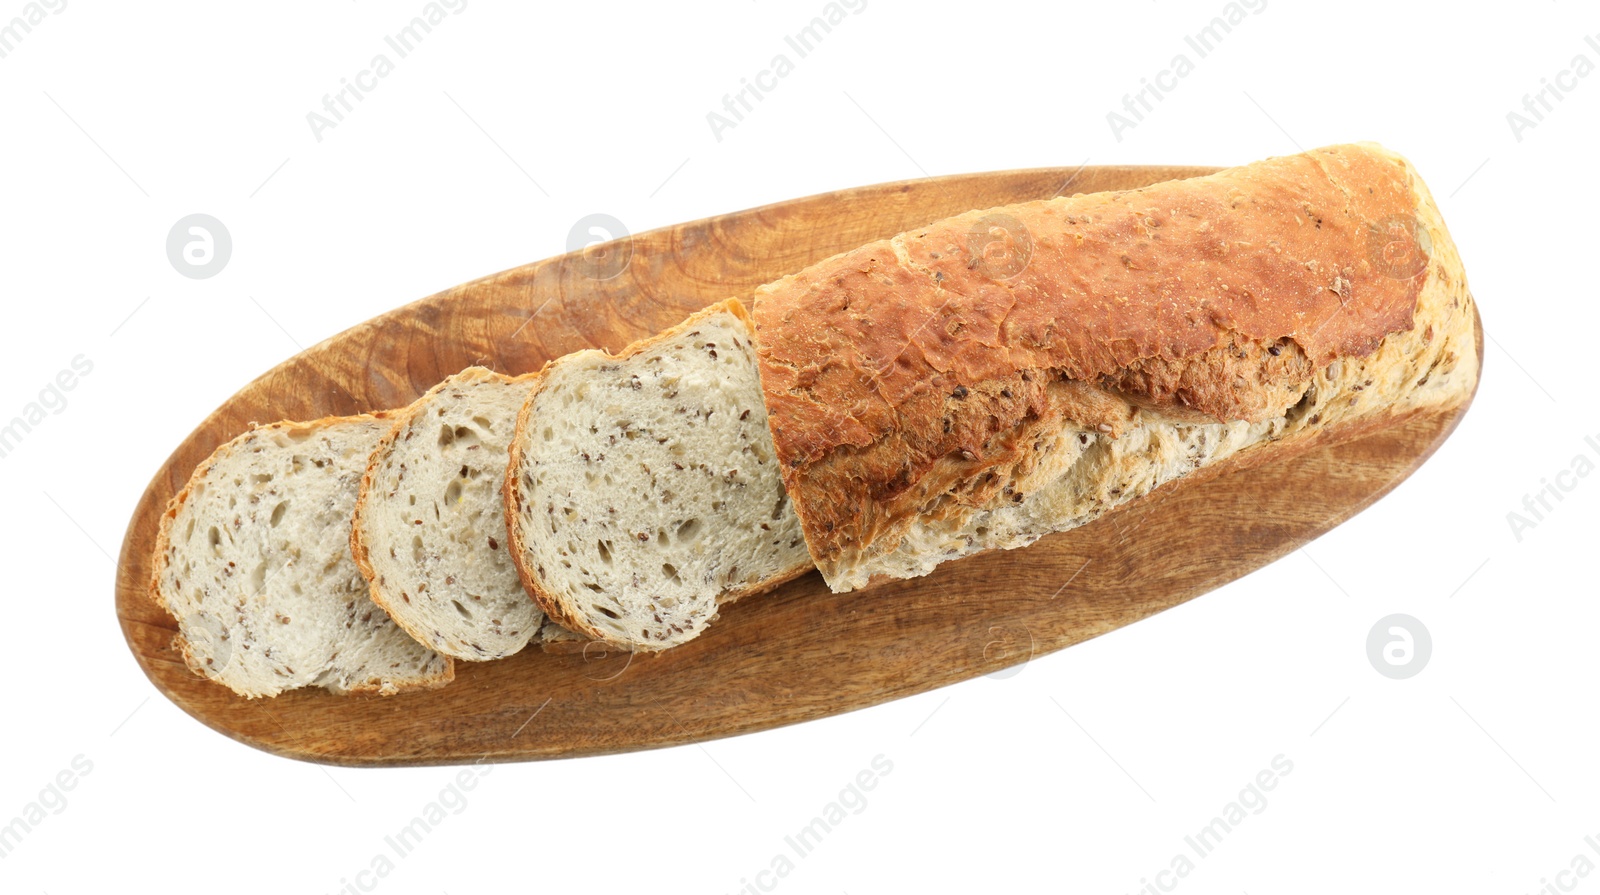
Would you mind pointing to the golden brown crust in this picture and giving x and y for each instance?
(933, 363)
(359, 550)
(557, 608)
(158, 563)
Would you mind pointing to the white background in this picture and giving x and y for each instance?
(507, 125)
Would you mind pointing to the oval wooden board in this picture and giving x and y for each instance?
(793, 655)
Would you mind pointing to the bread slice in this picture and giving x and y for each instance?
(430, 526)
(253, 560)
(643, 489)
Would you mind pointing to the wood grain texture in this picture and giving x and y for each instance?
(800, 652)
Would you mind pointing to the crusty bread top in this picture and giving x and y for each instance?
(1217, 297)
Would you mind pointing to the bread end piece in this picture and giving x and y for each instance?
(1142, 335)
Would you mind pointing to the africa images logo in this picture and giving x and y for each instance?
(199, 246)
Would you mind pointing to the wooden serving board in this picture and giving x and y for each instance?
(796, 654)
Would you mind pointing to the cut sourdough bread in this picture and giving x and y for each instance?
(1004, 374)
(430, 526)
(643, 490)
(253, 560)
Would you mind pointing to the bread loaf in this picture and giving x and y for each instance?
(253, 560)
(971, 385)
(1002, 374)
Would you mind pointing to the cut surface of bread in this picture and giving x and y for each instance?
(991, 378)
(253, 560)
(643, 488)
(430, 527)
